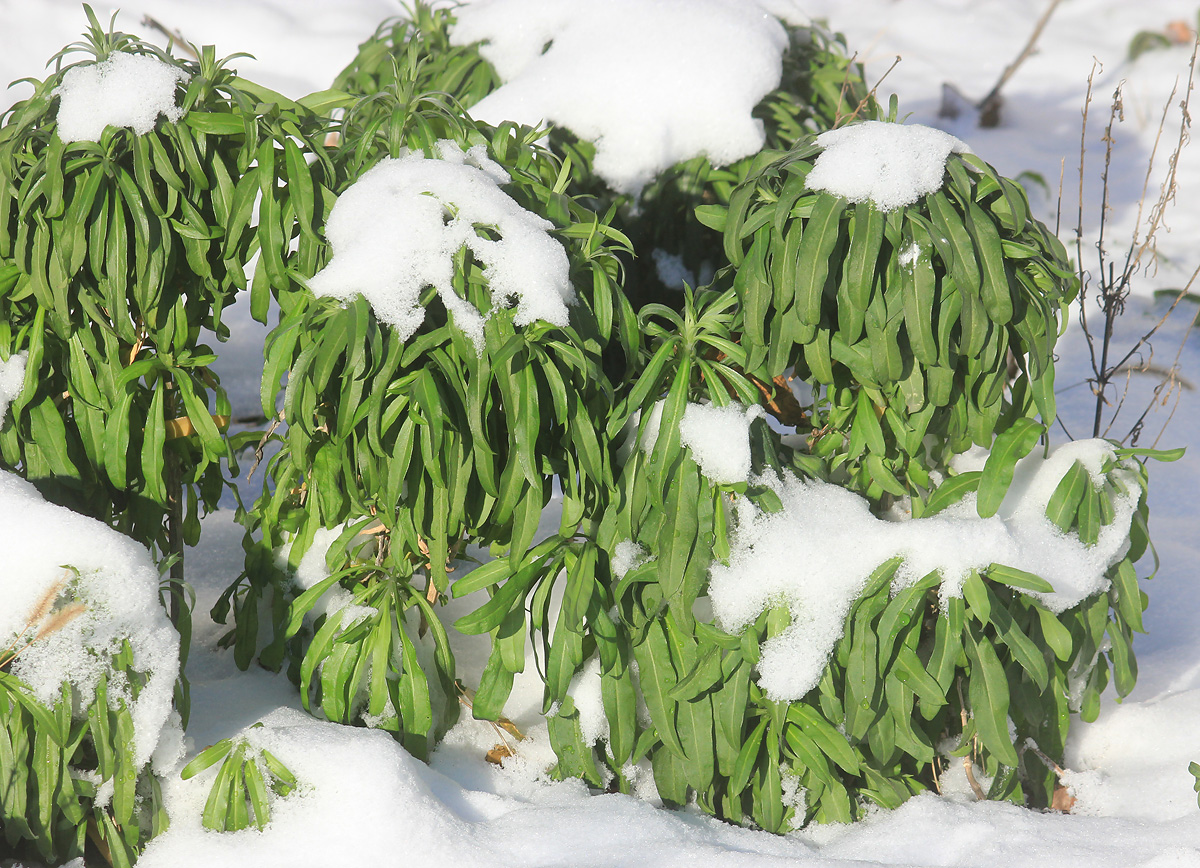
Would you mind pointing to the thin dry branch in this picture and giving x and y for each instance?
(840, 119)
(174, 37)
(989, 106)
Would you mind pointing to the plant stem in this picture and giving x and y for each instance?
(173, 476)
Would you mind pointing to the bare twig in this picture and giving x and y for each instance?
(989, 106)
(174, 37)
(1112, 287)
(839, 119)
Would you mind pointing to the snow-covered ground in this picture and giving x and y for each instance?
(370, 804)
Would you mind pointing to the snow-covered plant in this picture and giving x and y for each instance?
(468, 54)
(444, 362)
(249, 780)
(781, 636)
(88, 662)
(909, 285)
(128, 188)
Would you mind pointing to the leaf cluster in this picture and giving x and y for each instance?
(244, 787)
(55, 760)
(937, 320)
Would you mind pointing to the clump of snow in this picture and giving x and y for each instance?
(12, 378)
(890, 165)
(671, 271)
(817, 553)
(627, 555)
(312, 570)
(125, 90)
(588, 696)
(650, 82)
(396, 231)
(719, 438)
(86, 589)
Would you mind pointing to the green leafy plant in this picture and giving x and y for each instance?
(120, 254)
(915, 669)
(409, 448)
(249, 780)
(905, 323)
(68, 771)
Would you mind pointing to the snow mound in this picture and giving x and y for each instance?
(396, 231)
(719, 438)
(126, 90)
(55, 560)
(650, 82)
(891, 165)
(816, 554)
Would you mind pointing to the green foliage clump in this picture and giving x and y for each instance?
(410, 448)
(937, 320)
(119, 256)
(55, 763)
(249, 780)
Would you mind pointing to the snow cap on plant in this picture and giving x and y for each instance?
(398, 229)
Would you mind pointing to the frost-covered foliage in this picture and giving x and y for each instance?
(88, 663)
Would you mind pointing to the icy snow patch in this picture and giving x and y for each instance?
(397, 229)
(671, 271)
(816, 554)
(126, 90)
(627, 555)
(312, 570)
(719, 438)
(44, 546)
(891, 165)
(12, 378)
(650, 82)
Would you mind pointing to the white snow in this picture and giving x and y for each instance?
(12, 378)
(891, 165)
(816, 555)
(396, 231)
(1130, 767)
(312, 570)
(651, 82)
(719, 438)
(671, 271)
(627, 556)
(125, 90)
(113, 600)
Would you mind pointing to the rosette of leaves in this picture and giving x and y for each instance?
(120, 255)
(904, 322)
(415, 447)
(249, 780)
(55, 761)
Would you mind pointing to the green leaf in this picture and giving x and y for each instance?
(1019, 579)
(1011, 446)
(989, 699)
(812, 264)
